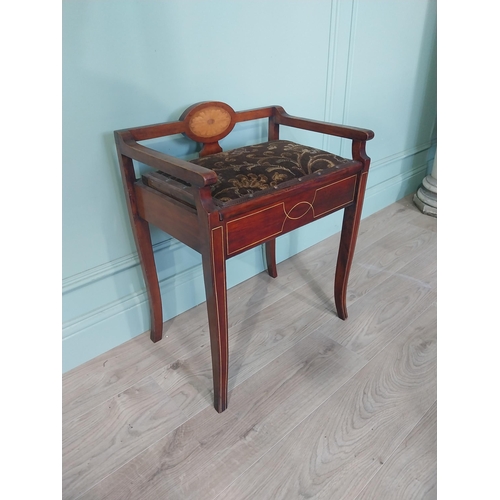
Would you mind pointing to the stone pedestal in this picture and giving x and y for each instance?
(426, 196)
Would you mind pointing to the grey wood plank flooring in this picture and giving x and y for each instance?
(349, 437)
(410, 472)
(318, 407)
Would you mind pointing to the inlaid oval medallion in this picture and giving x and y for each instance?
(209, 122)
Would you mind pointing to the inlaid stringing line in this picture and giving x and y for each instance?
(214, 277)
(335, 208)
(244, 217)
(344, 285)
(287, 216)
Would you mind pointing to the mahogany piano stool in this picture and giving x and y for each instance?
(224, 203)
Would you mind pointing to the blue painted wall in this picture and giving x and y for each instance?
(134, 62)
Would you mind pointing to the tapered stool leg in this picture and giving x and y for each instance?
(214, 271)
(270, 247)
(142, 237)
(146, 256)
(348, 237)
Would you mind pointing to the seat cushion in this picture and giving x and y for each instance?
(252, 169)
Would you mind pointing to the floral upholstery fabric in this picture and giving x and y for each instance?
(253, 169)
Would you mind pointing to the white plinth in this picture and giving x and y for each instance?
(426, 196)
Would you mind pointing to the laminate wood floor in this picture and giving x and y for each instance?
(318, 407)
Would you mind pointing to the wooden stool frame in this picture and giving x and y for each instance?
(221, 231)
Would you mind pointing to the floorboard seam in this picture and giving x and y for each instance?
(394, 451)
(431, 304)
(106, 400)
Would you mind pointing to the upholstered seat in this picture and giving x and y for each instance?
(254, 170)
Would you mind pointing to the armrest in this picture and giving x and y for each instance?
(189, 172)
(356, 134)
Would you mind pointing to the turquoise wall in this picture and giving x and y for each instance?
(367, 63)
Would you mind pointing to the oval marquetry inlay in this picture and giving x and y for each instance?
(210, 121)
(299, 210)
